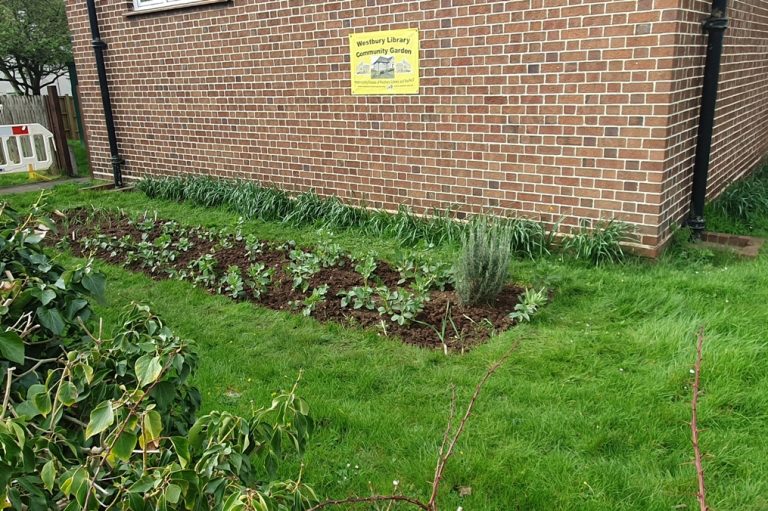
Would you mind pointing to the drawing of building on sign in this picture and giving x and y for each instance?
(403, 67)
(363, 68)
(383, 68)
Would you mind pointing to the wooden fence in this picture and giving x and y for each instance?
(56, 113)
(23, 110)
(32, 109)
(69, 117)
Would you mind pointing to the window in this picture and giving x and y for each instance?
(158, 5)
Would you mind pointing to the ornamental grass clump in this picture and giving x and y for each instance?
(483, 263)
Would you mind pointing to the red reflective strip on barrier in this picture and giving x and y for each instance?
(20, 130)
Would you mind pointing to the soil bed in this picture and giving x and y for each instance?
(464, 326)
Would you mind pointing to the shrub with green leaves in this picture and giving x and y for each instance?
(95, 422)
(483, 264)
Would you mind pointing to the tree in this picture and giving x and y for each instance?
(34, 43)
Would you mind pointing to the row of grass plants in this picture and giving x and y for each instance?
(597, 244)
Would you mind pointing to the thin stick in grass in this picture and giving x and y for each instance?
(702, 493)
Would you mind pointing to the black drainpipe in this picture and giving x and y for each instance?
(715, 25)
(98, 50)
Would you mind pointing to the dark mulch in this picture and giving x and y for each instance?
(474, 324)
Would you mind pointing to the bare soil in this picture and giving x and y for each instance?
(471, 326)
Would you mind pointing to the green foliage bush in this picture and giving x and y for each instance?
(483, 264)
(94, 422)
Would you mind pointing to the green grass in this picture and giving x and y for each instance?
(254, 201)
(81, 157)
(590, 414)
(15, 179)
(743, 207)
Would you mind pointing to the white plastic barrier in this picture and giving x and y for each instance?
(25, 148)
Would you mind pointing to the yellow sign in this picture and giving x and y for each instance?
(385, 62)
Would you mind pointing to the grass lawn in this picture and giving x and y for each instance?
(592, 412)
(14, 179)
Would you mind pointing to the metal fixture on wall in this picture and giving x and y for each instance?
(98, 49)
(715, 26)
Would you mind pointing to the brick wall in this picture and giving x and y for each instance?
(740, 137)
(550, 108)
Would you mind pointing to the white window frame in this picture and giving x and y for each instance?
(146, 5)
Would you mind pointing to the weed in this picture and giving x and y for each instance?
(442, 333)
(745, 200)
(483, 263)
(252, 200)
(530, 238)
(308, 209)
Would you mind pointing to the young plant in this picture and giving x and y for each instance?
(203, 270)
(253, 247)
(259, 278)
(232, 283)
(422, 269)
(402, 306)
(311, 302)
(483, 263)
(145, 223)
(358, 297)
(365, 267)
(328, 252)
(302, 266)
(407, 265)
(183, 244)
(530, 302)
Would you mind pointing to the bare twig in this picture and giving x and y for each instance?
(368, 500)
(444, 457)
(449, 426)
(446, 449)
(7, 395)
(38, 364)
(702, 493)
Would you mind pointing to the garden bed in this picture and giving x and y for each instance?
(412, 299)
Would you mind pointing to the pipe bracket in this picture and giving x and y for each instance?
(716, 21)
